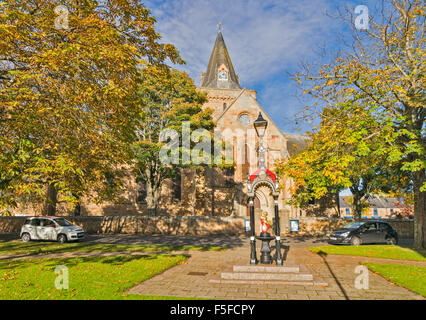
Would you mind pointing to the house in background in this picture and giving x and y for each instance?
(380, 208)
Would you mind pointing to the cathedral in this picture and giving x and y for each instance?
(212, 191)
(216, 192)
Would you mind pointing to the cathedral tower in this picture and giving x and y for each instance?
(220, 71)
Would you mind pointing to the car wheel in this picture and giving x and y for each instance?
(355, 241)
(26, 237)
(391, 240)
(62, 238)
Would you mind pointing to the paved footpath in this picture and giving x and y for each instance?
(193, 279)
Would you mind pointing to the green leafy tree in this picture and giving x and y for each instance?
(342, 153)
(167, 98)
(383, 70)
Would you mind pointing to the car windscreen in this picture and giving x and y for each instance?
(62, 222)
(353, 225)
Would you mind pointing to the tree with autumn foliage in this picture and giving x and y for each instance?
(342, 153)
(167, 98)
(383, 71)
(404, 209)
(66, 113)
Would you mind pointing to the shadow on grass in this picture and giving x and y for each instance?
(74, 261)
(422, 252)
(24, 249)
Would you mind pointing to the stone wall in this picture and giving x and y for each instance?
(166, 225)
(313, 226)
(405, 228)
(199, 225)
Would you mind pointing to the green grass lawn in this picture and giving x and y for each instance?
(410, 277)
(97, 278)
(19, 247)
(377, 251)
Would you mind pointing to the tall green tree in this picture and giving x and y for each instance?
(167, 98)
(384, 70)
(66, 77)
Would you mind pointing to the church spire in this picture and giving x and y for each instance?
(220, 71)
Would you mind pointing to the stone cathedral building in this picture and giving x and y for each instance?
(213, 191)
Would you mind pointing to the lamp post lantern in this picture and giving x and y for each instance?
(263, 177)
(260, 125)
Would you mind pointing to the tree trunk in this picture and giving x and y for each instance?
(51, 200)
(419, 211)
(150, 199)
(77, 210)
(193, 191)
(338, 203)
(153, 193)
(357, 211)
(356, 206)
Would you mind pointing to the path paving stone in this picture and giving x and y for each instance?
(337, 271)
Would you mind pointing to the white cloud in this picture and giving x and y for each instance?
(265, 40)
(263, 37)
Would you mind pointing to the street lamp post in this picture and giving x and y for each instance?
(263, 176)
(253, 258)
(277, 232)
(260, 125)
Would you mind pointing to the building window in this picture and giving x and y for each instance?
(224, 106)
(376, 213)
(348, 211)
(244, 119)
(391, 211)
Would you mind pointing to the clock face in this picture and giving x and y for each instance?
(223, 75)
(244, 119)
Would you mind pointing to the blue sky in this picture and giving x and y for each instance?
(267, 40)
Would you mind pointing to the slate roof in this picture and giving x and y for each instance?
(219, 56)
(296, 142)
(375, 202)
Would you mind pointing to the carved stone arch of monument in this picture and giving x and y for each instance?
(264, 186)
(268, 183)
(264, 194)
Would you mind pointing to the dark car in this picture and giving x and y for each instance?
(357, 233)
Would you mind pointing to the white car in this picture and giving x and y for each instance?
(50, 228)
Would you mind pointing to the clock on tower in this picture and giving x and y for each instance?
(223, 75)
